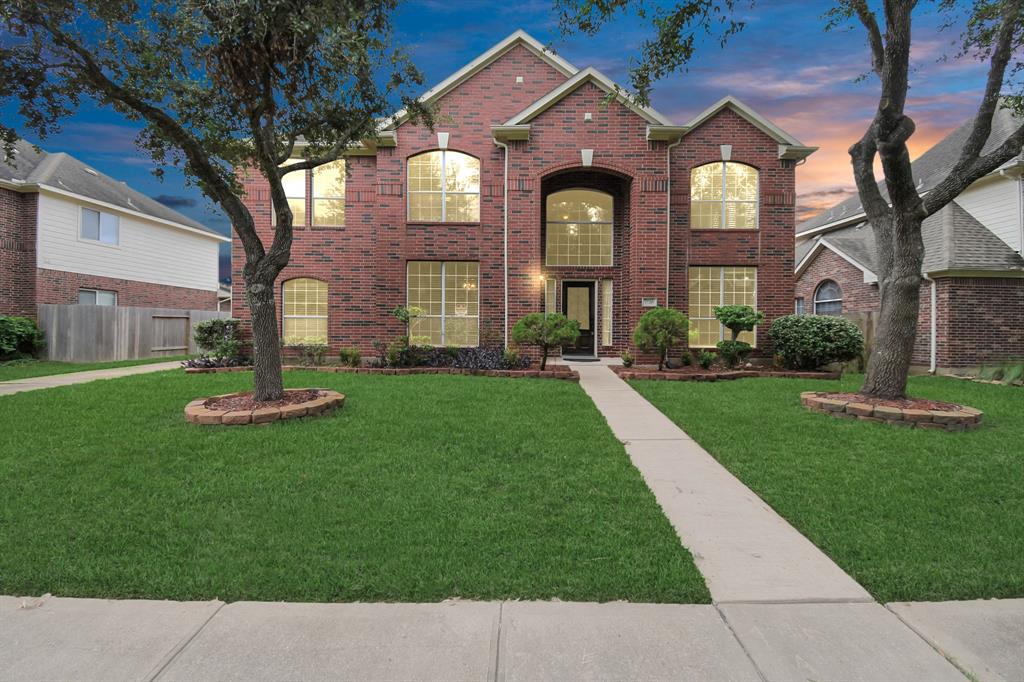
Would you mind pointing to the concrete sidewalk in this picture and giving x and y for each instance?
(36, 383)
(94, 639)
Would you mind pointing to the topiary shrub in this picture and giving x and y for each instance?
(20, 337)
(737, 319)
(545, 331)
(809, 342)
(733, 352)
(659, 330)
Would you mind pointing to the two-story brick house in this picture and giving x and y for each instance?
(535, 192)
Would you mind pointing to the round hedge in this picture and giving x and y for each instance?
(808, 342)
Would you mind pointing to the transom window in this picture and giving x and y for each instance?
(328, 197)
(446, 299)
(304, 304)
(96, 297)
(579, 228)
(723, 195)
(716, 286)
(444, 186)
(100, 227)
(828, 299)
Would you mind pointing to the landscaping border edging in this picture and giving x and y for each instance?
(197, 412)
(627, 373)
(948, 420)
(562, 373)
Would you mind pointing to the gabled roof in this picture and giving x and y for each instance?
(62, 173)
(928, 169)
(587, 75)
(954, 240)
(752, 117)
(519, 37)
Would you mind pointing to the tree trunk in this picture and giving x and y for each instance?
(266, 344)
(544, 359)
(899, 286)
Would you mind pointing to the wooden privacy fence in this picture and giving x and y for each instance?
(91, 333)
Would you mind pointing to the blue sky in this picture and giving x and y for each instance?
(783, 64)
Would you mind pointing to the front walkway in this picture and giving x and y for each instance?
(36, 383)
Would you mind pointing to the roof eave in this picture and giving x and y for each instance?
(507, 133)
(795, 152)
(665, 133)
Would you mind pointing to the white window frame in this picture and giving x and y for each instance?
(609, 223)
(721, 301)
(444, 341)
(96, 293)
(828, 300)
(799, 305)
(725, 202)
(99, 236)
(444, 191)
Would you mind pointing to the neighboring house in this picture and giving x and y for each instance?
(972, 294)
(224, 298)
(533, 193)
(69, 234)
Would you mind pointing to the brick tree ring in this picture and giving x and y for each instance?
(235, 409)
(909, 412)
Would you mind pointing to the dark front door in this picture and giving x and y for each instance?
(578, 304)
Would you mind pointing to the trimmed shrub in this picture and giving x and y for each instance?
(738, 318)
(20, 337)
(219, 339)
(546, 331)
(312, 352)
(705, 359)
(627, 359)
(733, 352)
(659, 330)
(350, 357)
(808, 342)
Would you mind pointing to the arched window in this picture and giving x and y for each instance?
(579, 228)
(444, 187)
(723, 195)
(304, 302)
(828, 299)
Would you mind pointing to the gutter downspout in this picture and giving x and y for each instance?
(668, 216)
(504, 248)
(933, 357)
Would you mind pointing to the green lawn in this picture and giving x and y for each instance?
(26, 369)
(910, 514)
(421, 488)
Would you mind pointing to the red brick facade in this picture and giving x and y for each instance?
(364, 262)
(17, 253)
(60, 287)
(978, 320)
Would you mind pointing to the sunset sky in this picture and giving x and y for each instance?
(783, 64)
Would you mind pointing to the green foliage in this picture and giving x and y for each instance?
(808, 342)
(1013, 372)
(733, 352)
(20, 337)
(220, 339)
(510, 358)
(312, 352)
(350, 357)
(705, 359)
(738, 318)
(405, 313)
(687, 358)
(627, 359)
(545, 331)
(659, 330)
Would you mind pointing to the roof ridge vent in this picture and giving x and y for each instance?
(90, 171)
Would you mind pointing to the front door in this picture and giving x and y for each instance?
(578, 304)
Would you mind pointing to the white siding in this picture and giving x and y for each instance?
(146, 252)
(995, 203)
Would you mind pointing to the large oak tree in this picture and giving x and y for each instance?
(991, 30)
(217, 85)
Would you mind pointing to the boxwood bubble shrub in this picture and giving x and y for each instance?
(808, 342)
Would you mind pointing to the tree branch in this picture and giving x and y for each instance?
(867, 17)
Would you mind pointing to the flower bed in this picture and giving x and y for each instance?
(910, 412)
(235, 409)
(553, 372)
(694, 373)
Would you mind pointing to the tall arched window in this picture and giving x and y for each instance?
(723, 195)
(828, 299)
(444, 187)
(579, 228)
(304, 302)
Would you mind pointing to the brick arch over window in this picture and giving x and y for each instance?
(443, 186)
(724, 195)
(303, 311)
(828, 298)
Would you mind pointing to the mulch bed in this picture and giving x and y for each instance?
(552, 372)
(698, 373)
(902, 403)
(246, 401)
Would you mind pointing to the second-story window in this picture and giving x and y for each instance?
(326, 207)
(294, 185)
(100, 227)
(444, 187)
(723, 195)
